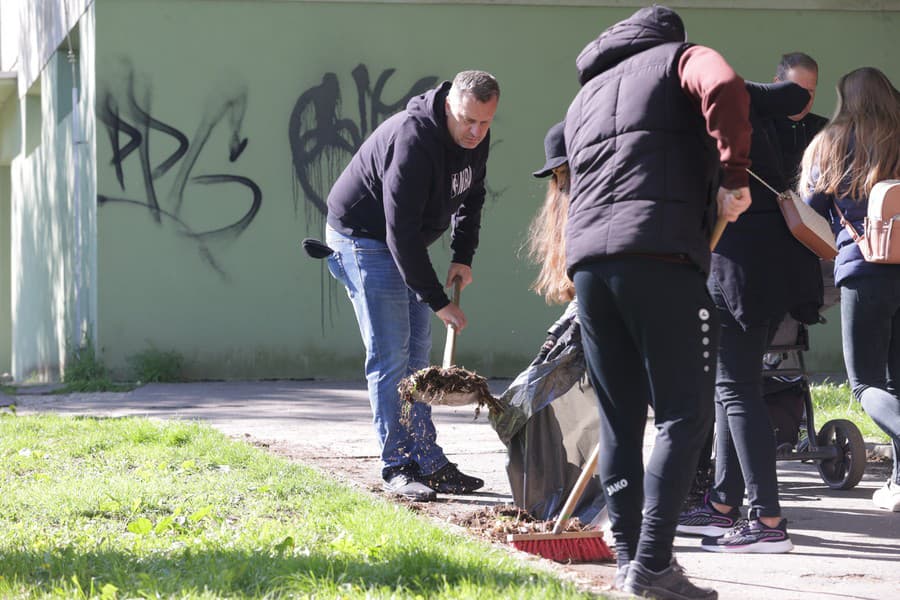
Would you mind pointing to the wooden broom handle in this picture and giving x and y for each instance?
(717, 232)
(575, 495)
(450, 344)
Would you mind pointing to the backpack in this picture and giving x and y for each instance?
(878, 242)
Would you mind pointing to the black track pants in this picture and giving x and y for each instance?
(649, 333)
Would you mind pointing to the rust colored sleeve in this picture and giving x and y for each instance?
(725, 104)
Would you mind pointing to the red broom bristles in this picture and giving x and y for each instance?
(579, 546)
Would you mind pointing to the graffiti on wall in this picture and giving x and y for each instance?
(164, 183)
(323, 141)
(131, 126)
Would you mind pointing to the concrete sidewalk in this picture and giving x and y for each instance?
(845, 547)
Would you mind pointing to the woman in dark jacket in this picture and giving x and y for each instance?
(867, 117)
(760, 273)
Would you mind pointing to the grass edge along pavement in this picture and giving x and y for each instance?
(836, 401)
(132, 507)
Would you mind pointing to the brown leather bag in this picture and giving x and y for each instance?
(809, 227)
(879, 243)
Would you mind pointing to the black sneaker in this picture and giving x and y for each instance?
(706, 520)
(400, 483)
(449, 480)
(751, 536)
(668, 584)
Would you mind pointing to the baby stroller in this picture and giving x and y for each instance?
(837, 447)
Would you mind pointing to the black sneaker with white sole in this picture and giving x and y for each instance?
(704, 519)
(449, 480)
(400, 483)
(751, 536)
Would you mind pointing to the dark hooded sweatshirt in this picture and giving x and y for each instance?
(645, 137)
(794, 137)
(761, 269)
(407, 184)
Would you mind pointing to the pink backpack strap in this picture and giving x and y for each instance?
(847, 225)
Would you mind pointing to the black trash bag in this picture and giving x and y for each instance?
(550, 425)
(558, 367)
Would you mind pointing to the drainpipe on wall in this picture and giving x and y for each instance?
(76, 199)
(80, 330)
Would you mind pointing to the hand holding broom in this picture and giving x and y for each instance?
(449, 384)
(731, 204)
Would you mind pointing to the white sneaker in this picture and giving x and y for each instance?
(887, 497)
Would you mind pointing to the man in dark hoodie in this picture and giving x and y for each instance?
(795, 132)
(420, 173)
(655, 121)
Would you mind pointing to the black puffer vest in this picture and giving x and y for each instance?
(644, 170)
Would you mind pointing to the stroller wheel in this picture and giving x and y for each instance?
(844, 471)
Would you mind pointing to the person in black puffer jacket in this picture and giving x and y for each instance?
(646, 136)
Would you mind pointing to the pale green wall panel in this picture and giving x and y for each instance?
(10, 130)
(187, 82)
(53, 247)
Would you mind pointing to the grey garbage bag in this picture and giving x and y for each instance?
(549, 425)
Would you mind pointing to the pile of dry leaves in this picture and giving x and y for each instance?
(496, 522)
(454, 386)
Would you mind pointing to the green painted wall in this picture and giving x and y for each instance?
(195, 103)
(52, 206)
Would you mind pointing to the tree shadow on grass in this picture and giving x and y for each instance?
(227, 573)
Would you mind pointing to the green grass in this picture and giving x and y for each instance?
(85, 372)
(156, 366)
(134, 508)
(832, 401)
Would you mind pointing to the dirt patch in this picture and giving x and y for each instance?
(485, 516)
(878, 465)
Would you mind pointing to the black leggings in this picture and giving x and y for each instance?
(650, 336)
(745, 441)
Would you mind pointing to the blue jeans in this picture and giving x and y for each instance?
(745, 440)
(396, 331)
(870, 328)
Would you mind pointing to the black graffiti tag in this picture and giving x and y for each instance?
(322, 141)
(133, 123)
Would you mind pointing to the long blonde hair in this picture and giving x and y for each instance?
(867, 118)
(546, 241)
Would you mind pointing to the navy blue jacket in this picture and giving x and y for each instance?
(410, 182)
(849, 261)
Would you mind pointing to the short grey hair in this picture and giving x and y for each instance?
(480, 84)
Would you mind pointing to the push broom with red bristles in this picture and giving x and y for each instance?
(573, 546)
